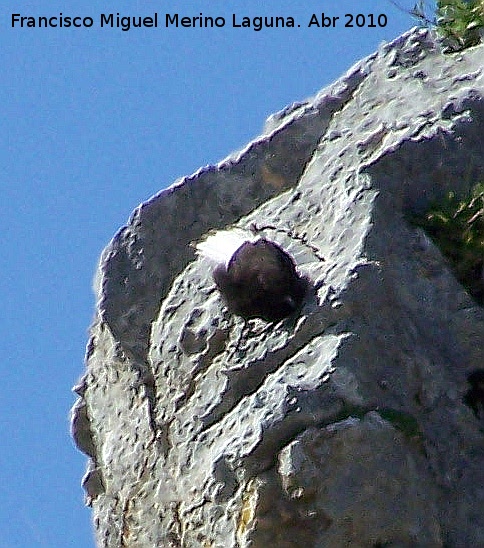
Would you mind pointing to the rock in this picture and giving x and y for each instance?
(345, 424)
(324, 478)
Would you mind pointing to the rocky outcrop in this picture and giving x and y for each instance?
(345, 424)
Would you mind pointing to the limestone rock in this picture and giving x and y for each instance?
(346, 424)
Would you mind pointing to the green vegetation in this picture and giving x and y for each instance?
(400, 420)
(404, 422)
(460, 23)
(457, 228)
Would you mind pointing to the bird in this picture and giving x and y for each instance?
(256, 277)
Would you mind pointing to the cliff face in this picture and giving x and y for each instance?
(344, 425)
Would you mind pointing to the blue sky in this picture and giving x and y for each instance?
(95, 121)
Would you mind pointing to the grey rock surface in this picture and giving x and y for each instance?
(345, 425)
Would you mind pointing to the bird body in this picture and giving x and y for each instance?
(255, 276)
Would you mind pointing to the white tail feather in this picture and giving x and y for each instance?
(220, 247)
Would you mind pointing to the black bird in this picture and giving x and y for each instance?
(258, 280)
